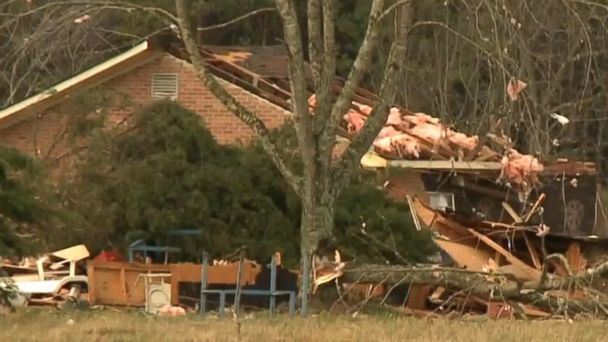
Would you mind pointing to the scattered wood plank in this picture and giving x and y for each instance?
(509, 209)
(538, 202)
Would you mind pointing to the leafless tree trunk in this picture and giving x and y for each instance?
(321, 180)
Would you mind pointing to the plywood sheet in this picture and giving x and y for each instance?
(473, 258)
(119, 283)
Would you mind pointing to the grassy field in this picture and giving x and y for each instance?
(109, 325)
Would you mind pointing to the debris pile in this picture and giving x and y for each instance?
(409, 135)
(492, 268)
(63, 280)
(53, 278)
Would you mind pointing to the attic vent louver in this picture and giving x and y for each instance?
(164, 87)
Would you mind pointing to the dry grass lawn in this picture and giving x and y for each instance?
(37, 324)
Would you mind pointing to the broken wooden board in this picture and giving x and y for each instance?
(74, 253)
(373, 161)
(463, 250)
(575, 258)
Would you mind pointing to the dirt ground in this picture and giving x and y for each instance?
(36, 324)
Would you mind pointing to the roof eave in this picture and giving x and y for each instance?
(96, 75)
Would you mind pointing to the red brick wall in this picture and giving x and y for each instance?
(193, 95)
(37, 136)
(42, 136)
(409, 183)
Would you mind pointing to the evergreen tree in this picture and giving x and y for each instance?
(165, 171)
(22, 208)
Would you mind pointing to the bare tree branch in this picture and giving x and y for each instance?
(391, 8)
(360, 66)
(329, 51)
(106, 4)
(293, 40)
(297, 82)
(315, 43)
(349, 163)
(240, 111)
(324, 91)
(236, 20)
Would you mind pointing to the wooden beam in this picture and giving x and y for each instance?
(373, 161)
(538, 202)
(533, 252)
(446, 165)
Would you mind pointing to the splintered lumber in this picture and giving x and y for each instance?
(575, 258)
(470, 256)
(523, 270)
(457, 233)
(538, 202)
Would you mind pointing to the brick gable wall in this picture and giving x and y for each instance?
(43, 135)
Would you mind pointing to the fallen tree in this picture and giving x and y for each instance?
(568, 296)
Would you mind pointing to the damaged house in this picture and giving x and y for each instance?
(492, 210)
(512, 222)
